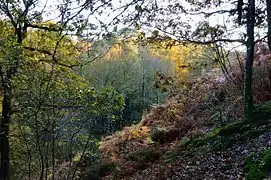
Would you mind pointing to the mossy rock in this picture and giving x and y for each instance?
(145, 155)
(258, 166)
(157, 135)
(164, 135)
(106, 167)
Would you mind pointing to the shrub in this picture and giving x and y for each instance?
(258, 166)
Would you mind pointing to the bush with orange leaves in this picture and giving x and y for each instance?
(114, 146)
(182, 114)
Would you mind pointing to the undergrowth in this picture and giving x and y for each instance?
(258, 166)
(187, 116)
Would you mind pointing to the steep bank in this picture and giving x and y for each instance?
(197, 133)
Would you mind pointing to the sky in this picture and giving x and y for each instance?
(50, 7)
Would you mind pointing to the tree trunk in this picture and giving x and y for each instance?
(268, 8)
(7, 111)
(248, 99)
(4, 139)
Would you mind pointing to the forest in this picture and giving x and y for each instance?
(135, 89)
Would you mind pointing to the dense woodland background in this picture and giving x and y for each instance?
(139, 89)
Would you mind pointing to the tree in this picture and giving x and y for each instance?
(268, 8)
(22, 15)
(248, 98)
(55, 115)
(11, 53)
(56, 120)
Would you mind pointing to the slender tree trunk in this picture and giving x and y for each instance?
(4, 132)
(46, 157)
(81, 157)
(39, 149)
(28, 152)
(268, 7)
(7, 111)
(248, 99)
(53, 147)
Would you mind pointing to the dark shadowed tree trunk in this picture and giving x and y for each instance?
(6, 78)
(268, 7)
(4, 139)
(248, 99)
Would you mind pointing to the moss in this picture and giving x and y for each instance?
(171, 156)
(258, 167)
(224, 137)
(225, 134)
(198, 151)
(253, 133)
(223, 143)
(217, 137)
(232, 128)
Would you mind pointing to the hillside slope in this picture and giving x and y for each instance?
(232, 152)
(197, 133)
